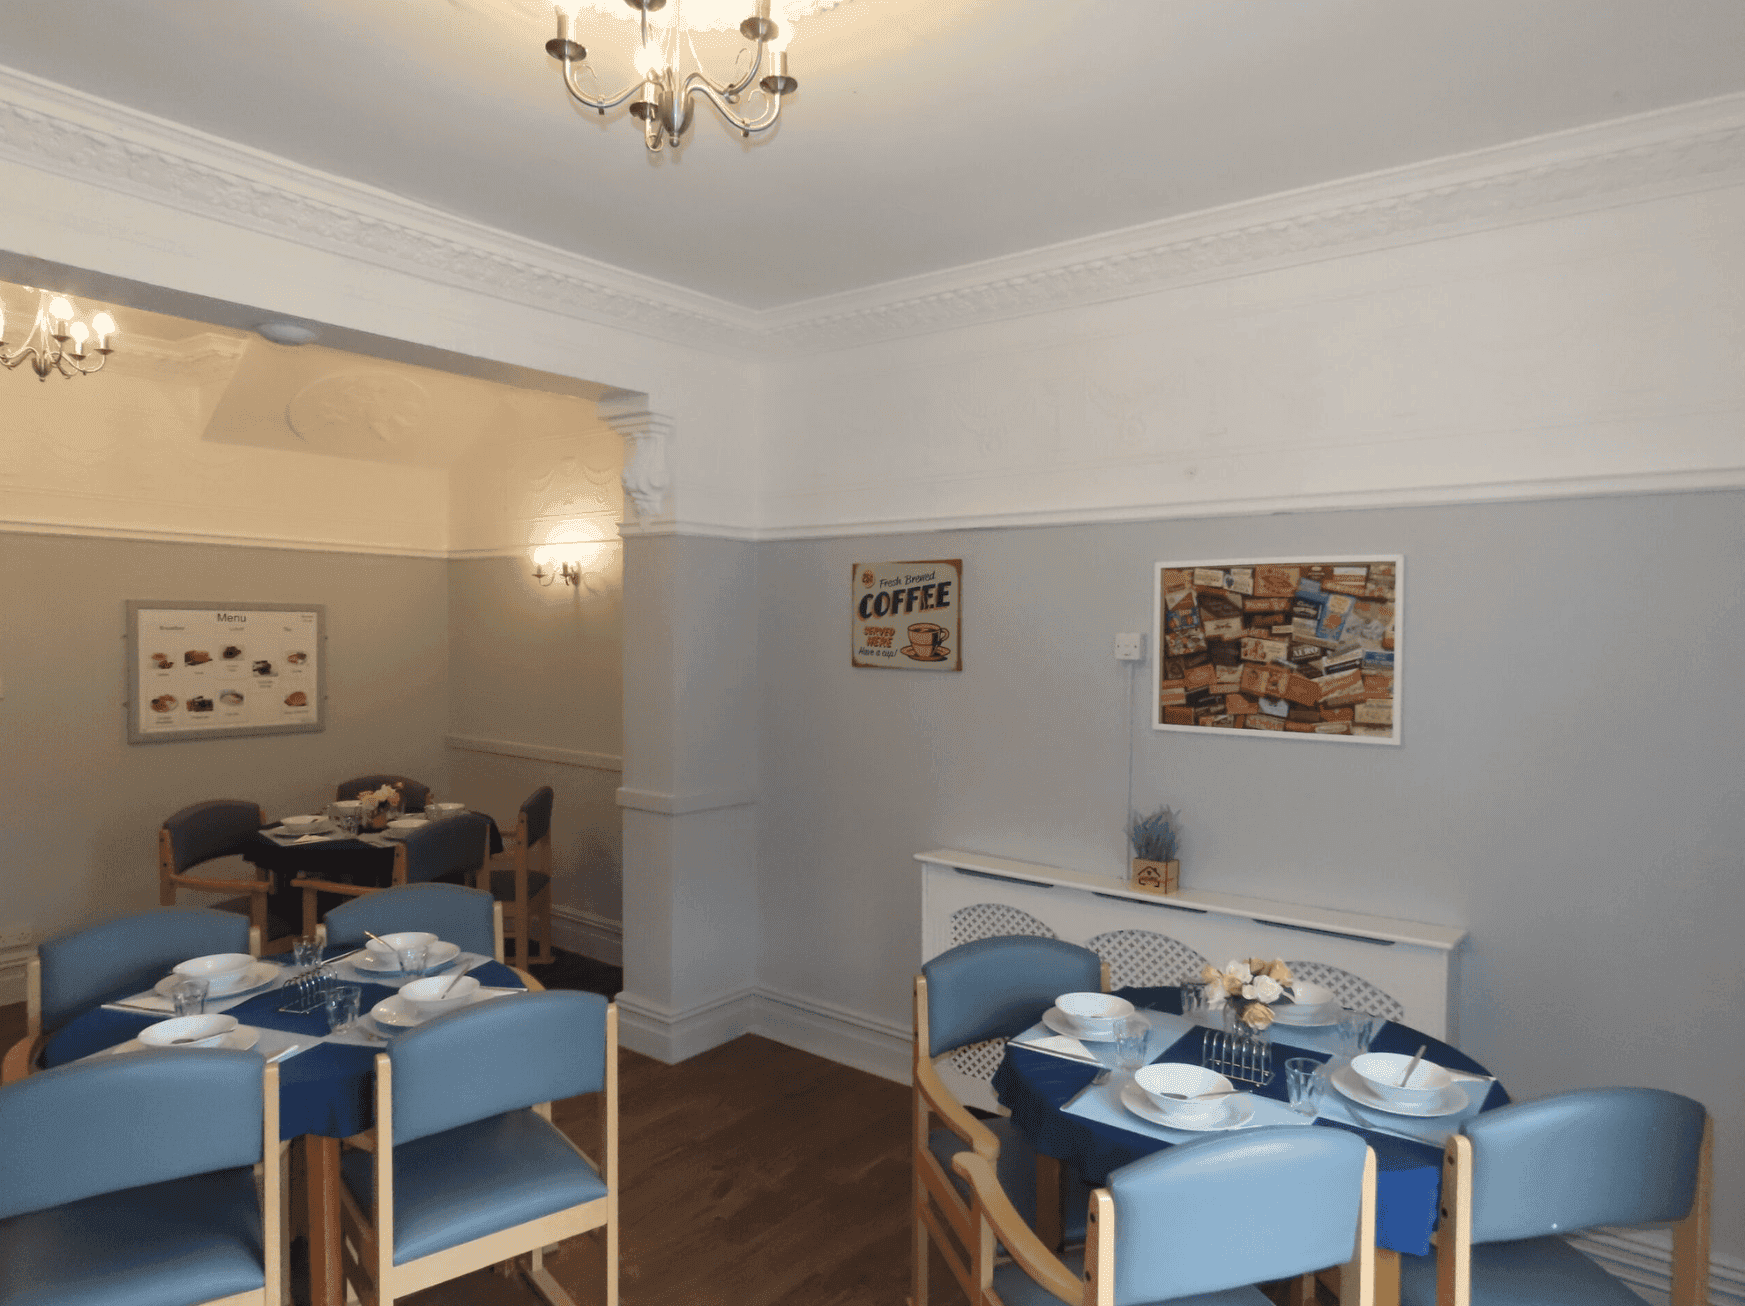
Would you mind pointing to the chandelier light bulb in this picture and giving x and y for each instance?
(81, 333)
(103, 324)
(60, 308)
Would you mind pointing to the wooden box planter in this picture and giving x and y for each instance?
(1156, 877)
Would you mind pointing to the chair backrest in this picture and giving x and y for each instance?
(414, 795)
(1220, 1213)
(1145, 957)
(535, 815)
(446, 846)
(202, 831)
(1597, 1156)
(128, 954)
(1352, 990)
(119, 1122)
(497, 1056)
(994, 988)
(452, 912)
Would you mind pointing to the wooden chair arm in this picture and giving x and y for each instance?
(533, 985)
(262, 886)
(21, 1057)
(956, 1116)
(333, 886)
(1019, 1240)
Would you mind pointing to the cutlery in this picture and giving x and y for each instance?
(1207, 1096)
(1407, 1077)
(194, 1038)
(446, 987)
(1101, 1077)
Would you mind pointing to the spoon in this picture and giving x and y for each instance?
(1201, 1097)
(1407, 1077)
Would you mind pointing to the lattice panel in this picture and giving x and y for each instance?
(993, 920)
(1144, 957)
(1351, 990)
(979, 1061)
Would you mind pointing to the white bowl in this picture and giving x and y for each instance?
(1381, 1073)
(408, 823)
(440, 810)
(220, 970)
(391, 944)
(297, 822)
(422, 993)
(207, 1031)
(1304, 994)
(1097, 1012)
(1175, 1077)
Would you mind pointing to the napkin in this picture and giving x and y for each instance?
(274, 1045)
(1058, 1045)
(1103, 1104)
(1434, 1130)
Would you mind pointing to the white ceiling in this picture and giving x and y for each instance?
(927, 133)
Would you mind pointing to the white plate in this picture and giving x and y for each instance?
(1061, 1023)
(302, 822)
(1307, 1017)
(257, 976)
(1451, 1100)
(440, 955)
(1237, 1112)
(240, 1039)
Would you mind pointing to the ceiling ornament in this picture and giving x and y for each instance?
(58, 341)
(663, 95)
(363, 414)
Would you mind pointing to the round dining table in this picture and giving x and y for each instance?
(1038, 1088)
(326, 1091)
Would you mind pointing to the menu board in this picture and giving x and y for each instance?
(209, 671)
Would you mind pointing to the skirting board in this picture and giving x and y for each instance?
(1642, 1258)
(589, 934)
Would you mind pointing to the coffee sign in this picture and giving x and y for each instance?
(904, 615)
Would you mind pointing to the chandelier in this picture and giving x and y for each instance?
(662, 99)
(57, 342)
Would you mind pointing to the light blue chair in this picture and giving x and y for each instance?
(129, 1180)
(77, 970)
(468, 1169)
(468, 917)
(987, 989)
(1198, 1224)
(1517, 1179)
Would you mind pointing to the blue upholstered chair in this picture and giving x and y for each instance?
(468, 917)
(468, 1170)
(456, 846)
(414, 795)
(521, 879)
(1195, 1225)
(1516, 1179)
(82, 968)
(130, 1180)
(987, 989)
(204, 832)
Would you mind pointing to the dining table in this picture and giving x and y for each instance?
(326, 1080)
(1056, 1105)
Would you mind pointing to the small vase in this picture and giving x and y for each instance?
(1234, 1024)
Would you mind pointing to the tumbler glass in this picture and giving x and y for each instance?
(188, 996)
(342, 1001)
(412, 960)
(1306, 1082)
(1131, 1034)
(1356, 1029)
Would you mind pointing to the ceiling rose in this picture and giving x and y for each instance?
(669, 74)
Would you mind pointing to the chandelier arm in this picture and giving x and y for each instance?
(599, 106)
(696, 84)
(730, 93)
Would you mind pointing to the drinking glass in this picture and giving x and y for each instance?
(1304, 1079)
(306, 952)
(347, 815)
(1356, 1029)
(342, 1002)
(1131, 1034)
(188, 996)
(1193, 998)
(412, 959)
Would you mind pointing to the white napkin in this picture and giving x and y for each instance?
(1103, 1104)
(1057, 1045)
(273, 1044)
(1434, 1130)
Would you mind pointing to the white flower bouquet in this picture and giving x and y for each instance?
(1248, 988)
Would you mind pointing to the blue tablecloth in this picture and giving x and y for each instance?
(326, 1090)
(1035, 1086)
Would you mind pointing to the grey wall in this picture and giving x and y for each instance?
(80, 807)
(1568, 788)
(539, 666)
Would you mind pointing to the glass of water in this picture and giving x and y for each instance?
(1306, 1082)
(412, 959)
(1131, 1035)
(342, 1002)
(188, 996)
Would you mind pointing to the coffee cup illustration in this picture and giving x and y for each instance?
(927, 642)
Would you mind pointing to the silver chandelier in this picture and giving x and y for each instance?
(663, 100)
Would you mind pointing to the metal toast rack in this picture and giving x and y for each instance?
(1240, 1058)
(307, 992)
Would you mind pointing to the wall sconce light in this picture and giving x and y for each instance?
(569, 572)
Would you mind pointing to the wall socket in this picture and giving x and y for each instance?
(1130, 646)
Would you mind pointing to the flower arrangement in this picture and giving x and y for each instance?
(374, 801)
(1249, 987)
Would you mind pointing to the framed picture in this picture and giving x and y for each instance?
(1302, 648)
(907, 616)
(213, 671)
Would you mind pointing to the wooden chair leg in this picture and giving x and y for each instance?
(308, 912)
(542, 1282)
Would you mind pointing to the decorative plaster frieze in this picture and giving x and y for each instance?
(646, 475)
(66, 132)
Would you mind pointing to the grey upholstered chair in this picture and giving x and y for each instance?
(978, 991)
(131, 1179)
(1519, 1179)
(204, 832)
(452, 912)
(521, 879)
(455, 847)
(468, 1169)
(1171, 1226)
(81, 968)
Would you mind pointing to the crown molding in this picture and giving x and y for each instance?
(90, 140)
(1681, 150)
